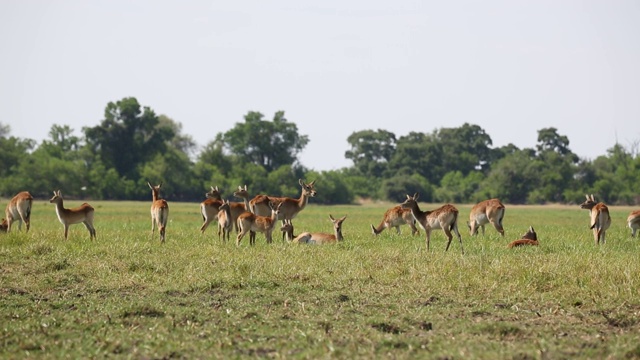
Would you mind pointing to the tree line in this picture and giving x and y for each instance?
(132, 145)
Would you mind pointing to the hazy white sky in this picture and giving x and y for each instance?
(334, 67)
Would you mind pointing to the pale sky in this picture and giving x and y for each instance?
(335, 67)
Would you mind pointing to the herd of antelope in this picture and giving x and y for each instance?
(261, 214)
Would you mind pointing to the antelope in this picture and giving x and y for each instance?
(250, 222)
(224, 221)
(634, 222)
(19, 209)
(600, 219)
(485, 212)
(529, 238)
(323, 238)
(395, 217)
(290, 207)
(444, 217)
(287, 231)
(238, 208)
(81, 214)
(209, 207)
(3, 226)
(159, 211)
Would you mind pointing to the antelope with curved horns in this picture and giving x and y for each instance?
(290, 207)
(159, 211)
(18, 209)
(81, 214)
(485, 212)
(600, 219)
(444, 217)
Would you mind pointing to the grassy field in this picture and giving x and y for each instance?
(126, 295)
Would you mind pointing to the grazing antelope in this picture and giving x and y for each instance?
(634, 222)
(209, 207)
(81, 214)
(287, 231)
(159, 211)
(250, 222)
(19, 209)
(323, 238)
(444, 217)
(224, 221)
(290, 207)
(529, 238)
(600, 219)
(485, 212)
(3, 226)
(395, 217)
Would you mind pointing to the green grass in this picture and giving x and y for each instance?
(127, 295)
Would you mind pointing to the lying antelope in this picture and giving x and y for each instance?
(600, 219)
(81, 214)
(323, 238)
(209, 207)
(19, 209)
(634, 222)
(486, 212)
(224, 221)
(395, 217)
(529, 238)
(290, 207)
(250, 222)
(159, 211)
(287, 231)
(444, 217)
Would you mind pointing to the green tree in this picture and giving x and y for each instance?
(128, 137)
(12, 152)
(371, 151)
(269, 144)
(465, 149)
(417, 153)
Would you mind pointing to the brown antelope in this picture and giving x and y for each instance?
(209, 207)
(3, 226)
(290, 207)
(159, 211)
(238, 208)
(323, 238)
(634, 222)
(224, 221)
(486, 212)
(529, 238)
(600, 219)
(444, 217)
(250, 222)
(395, 217)
(81, 214)
(287, 231)
(19, 209)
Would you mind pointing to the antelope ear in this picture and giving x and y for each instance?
(531, 229)
(300, 182)
(150, 186)
(160, 185)
(416, 196)
(331, 217)
(312, 183)
(592, 198)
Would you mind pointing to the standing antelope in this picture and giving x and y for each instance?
(81, 214)
(634, 222)
(323, 238)
(250, 222)
(600, 219)
(485, 212)
(224, 221)
(529, 238)
(209, 207)
(290, 207)
(19, 209)
(444, 217)
(395, 217)
(238, 208)
(287, 231)
(159, 211)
